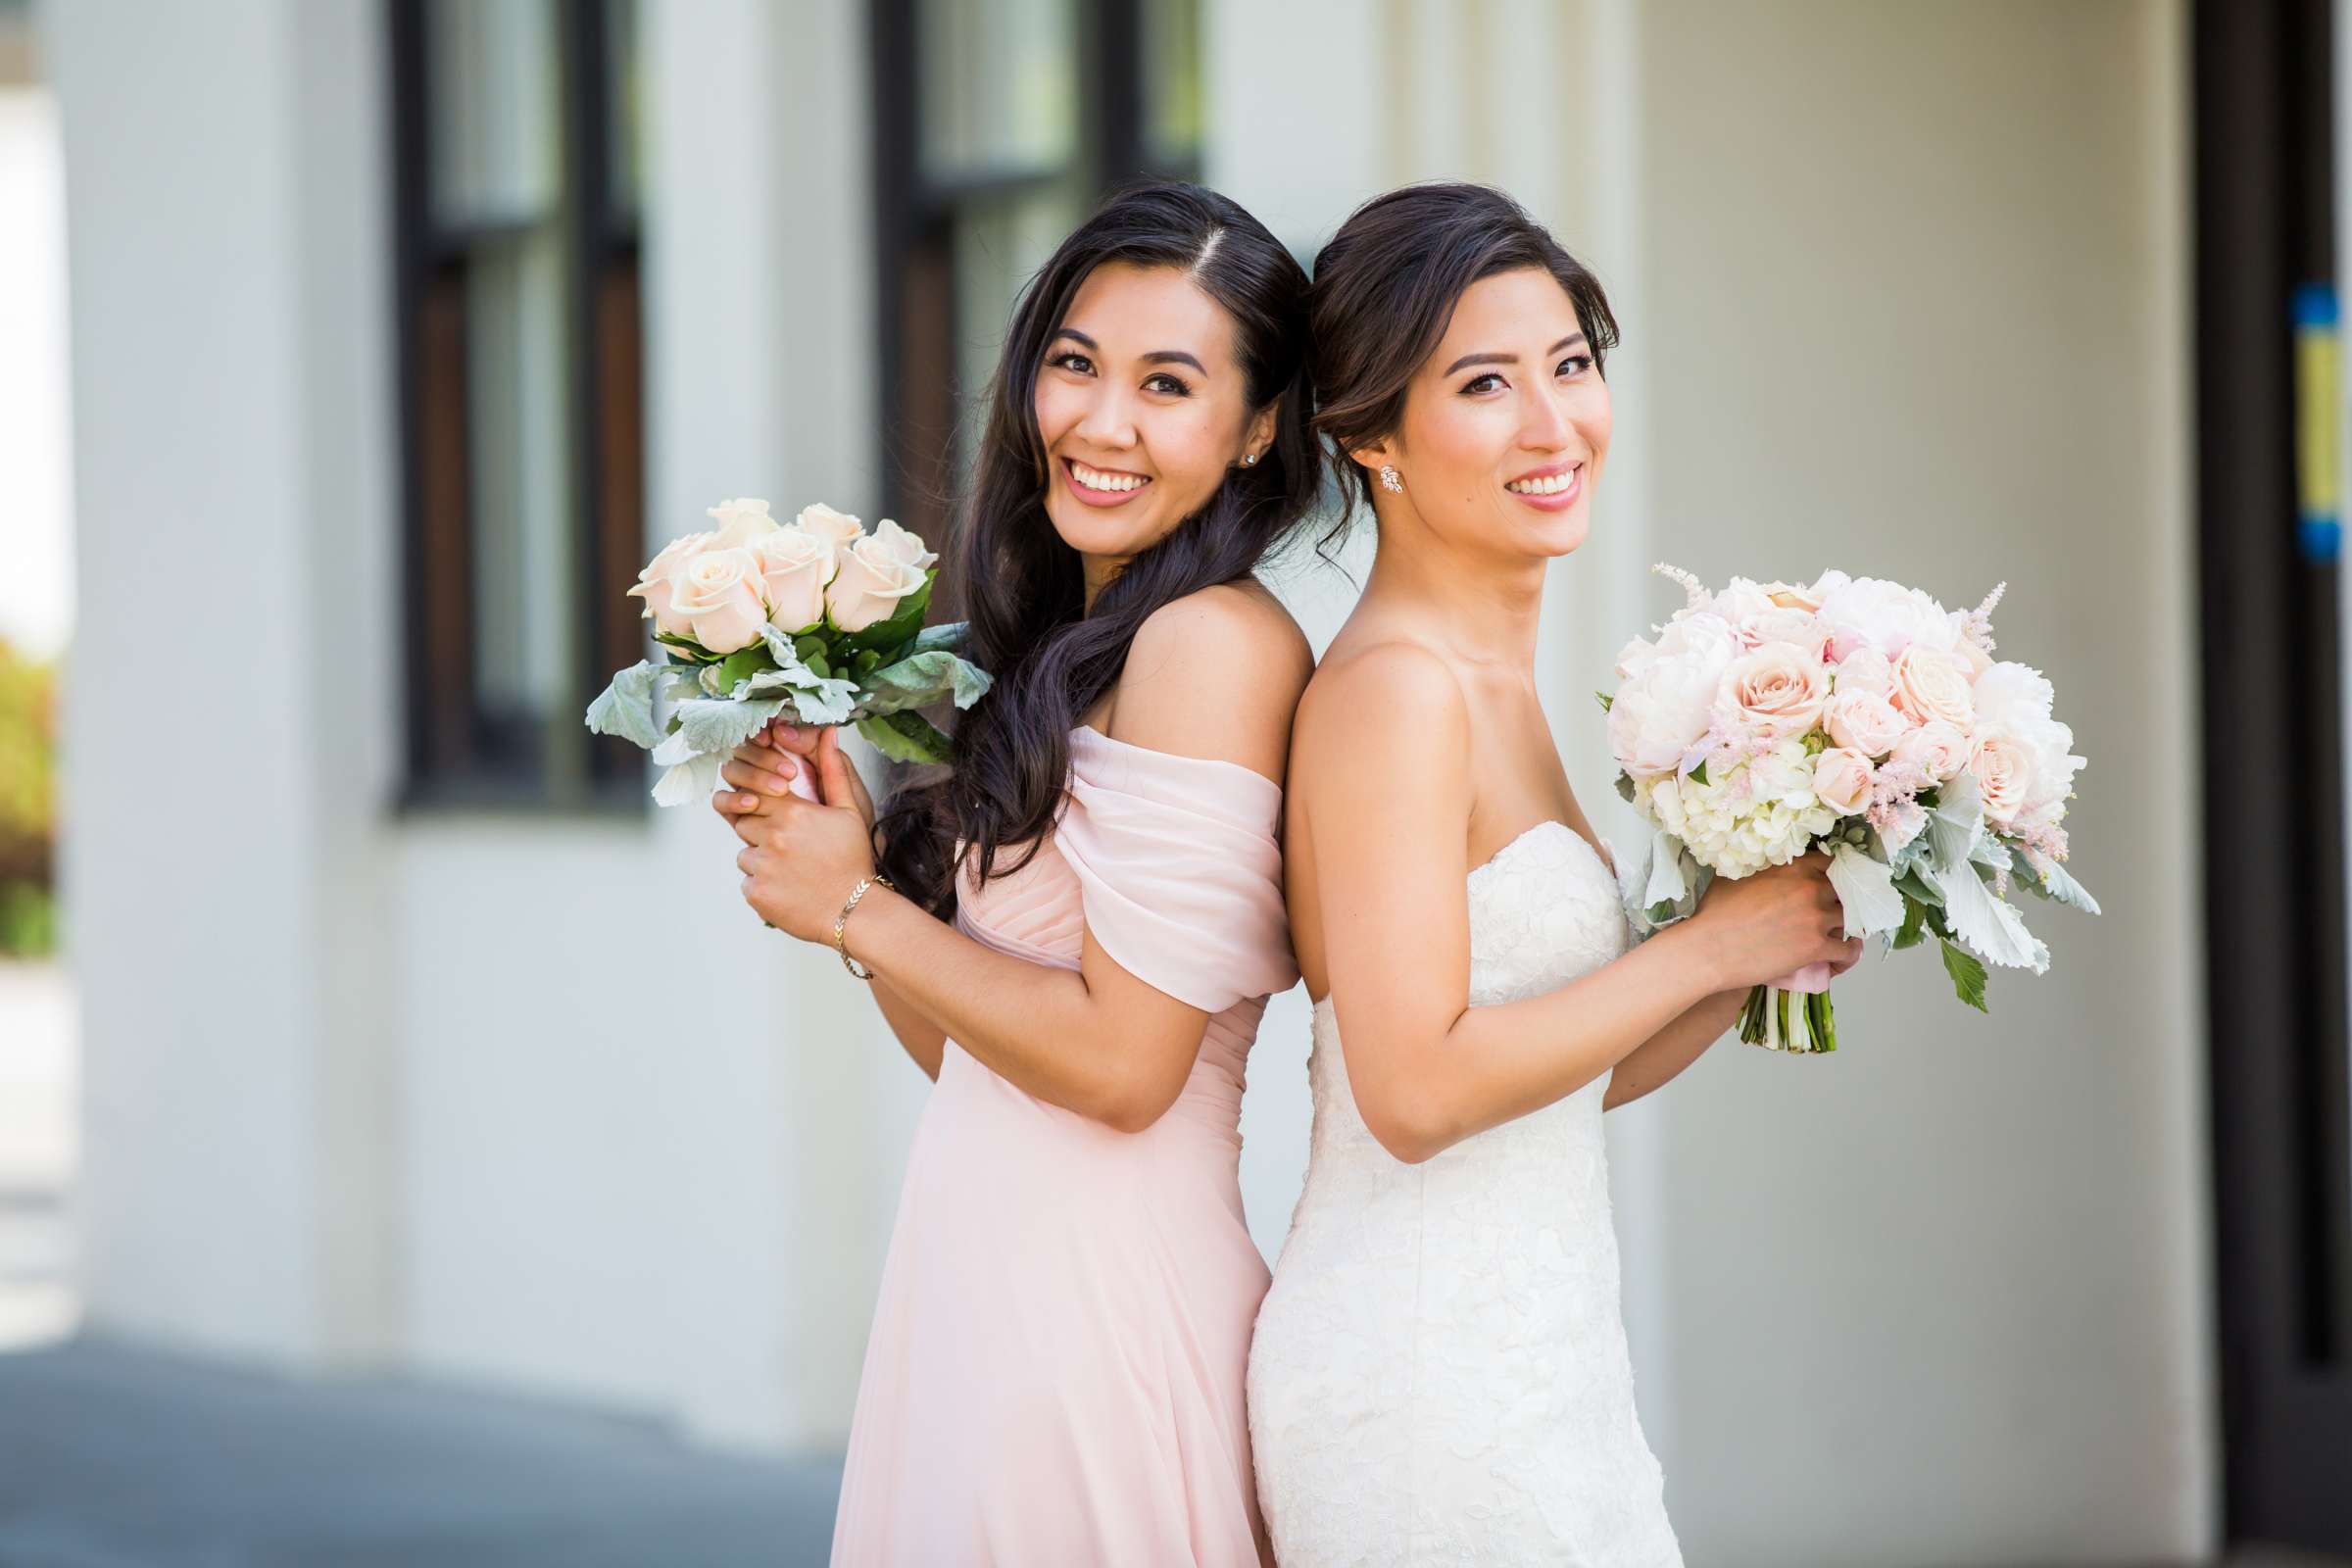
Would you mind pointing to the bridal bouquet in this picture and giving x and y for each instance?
(757, 615)
(1860, 717)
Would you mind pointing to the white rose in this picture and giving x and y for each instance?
(1778, 688)
(1791, 595)
(1865, 670)
(1842, 779)
(1787, 624)
(903, 546)
(720, 597)
(658, 581)
(2004, 769)
(1864, 721)
(1929, 685)
(1937, 749)
(740, 523)
(869, 585)
(836, 528)
(794, 566)
(1664, 706)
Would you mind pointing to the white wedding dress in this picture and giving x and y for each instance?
(1440, 1371)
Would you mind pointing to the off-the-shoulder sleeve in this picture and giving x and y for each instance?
(1179, 869)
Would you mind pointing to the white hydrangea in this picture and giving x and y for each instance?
(1761, 813)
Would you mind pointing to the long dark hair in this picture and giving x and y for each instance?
(1023, 590)
(1385, 290)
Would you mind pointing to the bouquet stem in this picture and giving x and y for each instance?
(1800, 1022)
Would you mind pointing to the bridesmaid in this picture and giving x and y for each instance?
(1075, 931)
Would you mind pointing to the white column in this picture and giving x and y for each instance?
(228, 699)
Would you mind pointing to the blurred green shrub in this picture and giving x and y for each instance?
(27, 804)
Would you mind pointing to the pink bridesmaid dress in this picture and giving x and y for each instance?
(1055, 1371)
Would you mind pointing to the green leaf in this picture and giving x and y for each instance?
(904, 623)
(2051, 880)
(1968, 975)
(743, 665)
(906, 737)
(1699, 774)
(720, 724)
(627, 707)
(1914, 929)
(685, 645)
(1607, 700)
(1625, 787)
(926, 678)
(818, 666)
(1914, 885)
(948, 634)
(808, 645)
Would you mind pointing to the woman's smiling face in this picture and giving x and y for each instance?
(1506, 424)
(1141, 407)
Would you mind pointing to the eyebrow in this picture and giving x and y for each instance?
(1467, 360)
(1155, 357)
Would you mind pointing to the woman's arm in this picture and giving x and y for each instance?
(1096, 1040)
(1382, 762)
(1658, 1061)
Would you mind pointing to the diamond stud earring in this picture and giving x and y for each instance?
(1389, 480)
(1250, 460)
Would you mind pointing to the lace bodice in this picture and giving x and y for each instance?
(1440, 1372)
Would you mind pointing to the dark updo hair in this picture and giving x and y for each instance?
(1023, 590)
(1384, 291)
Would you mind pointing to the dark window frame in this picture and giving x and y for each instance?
(456, 755)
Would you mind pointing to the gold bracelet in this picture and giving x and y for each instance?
(841, 924)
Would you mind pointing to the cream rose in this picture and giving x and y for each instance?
(1865, 670)
(869, 585)
(740, 523)
(1863, 722)
(1793, 596)
(2004, 769)
(657, 583)
(902, 545)
(1778, 688)
(836, 528)
(794, 567)
(1937, 749)
(721, 599)
(1784, 623)
(1842, 779)
(1931, 684)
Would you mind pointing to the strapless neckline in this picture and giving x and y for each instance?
(1496, 863)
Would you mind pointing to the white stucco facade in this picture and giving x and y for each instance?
(1903, 288)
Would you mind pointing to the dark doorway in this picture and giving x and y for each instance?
(2275, 905)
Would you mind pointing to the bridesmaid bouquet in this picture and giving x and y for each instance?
(1860, 717)
(757, 615)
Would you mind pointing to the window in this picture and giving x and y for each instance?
(998, 129)
(515, 191)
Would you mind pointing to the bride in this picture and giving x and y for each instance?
(1439, 1370)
